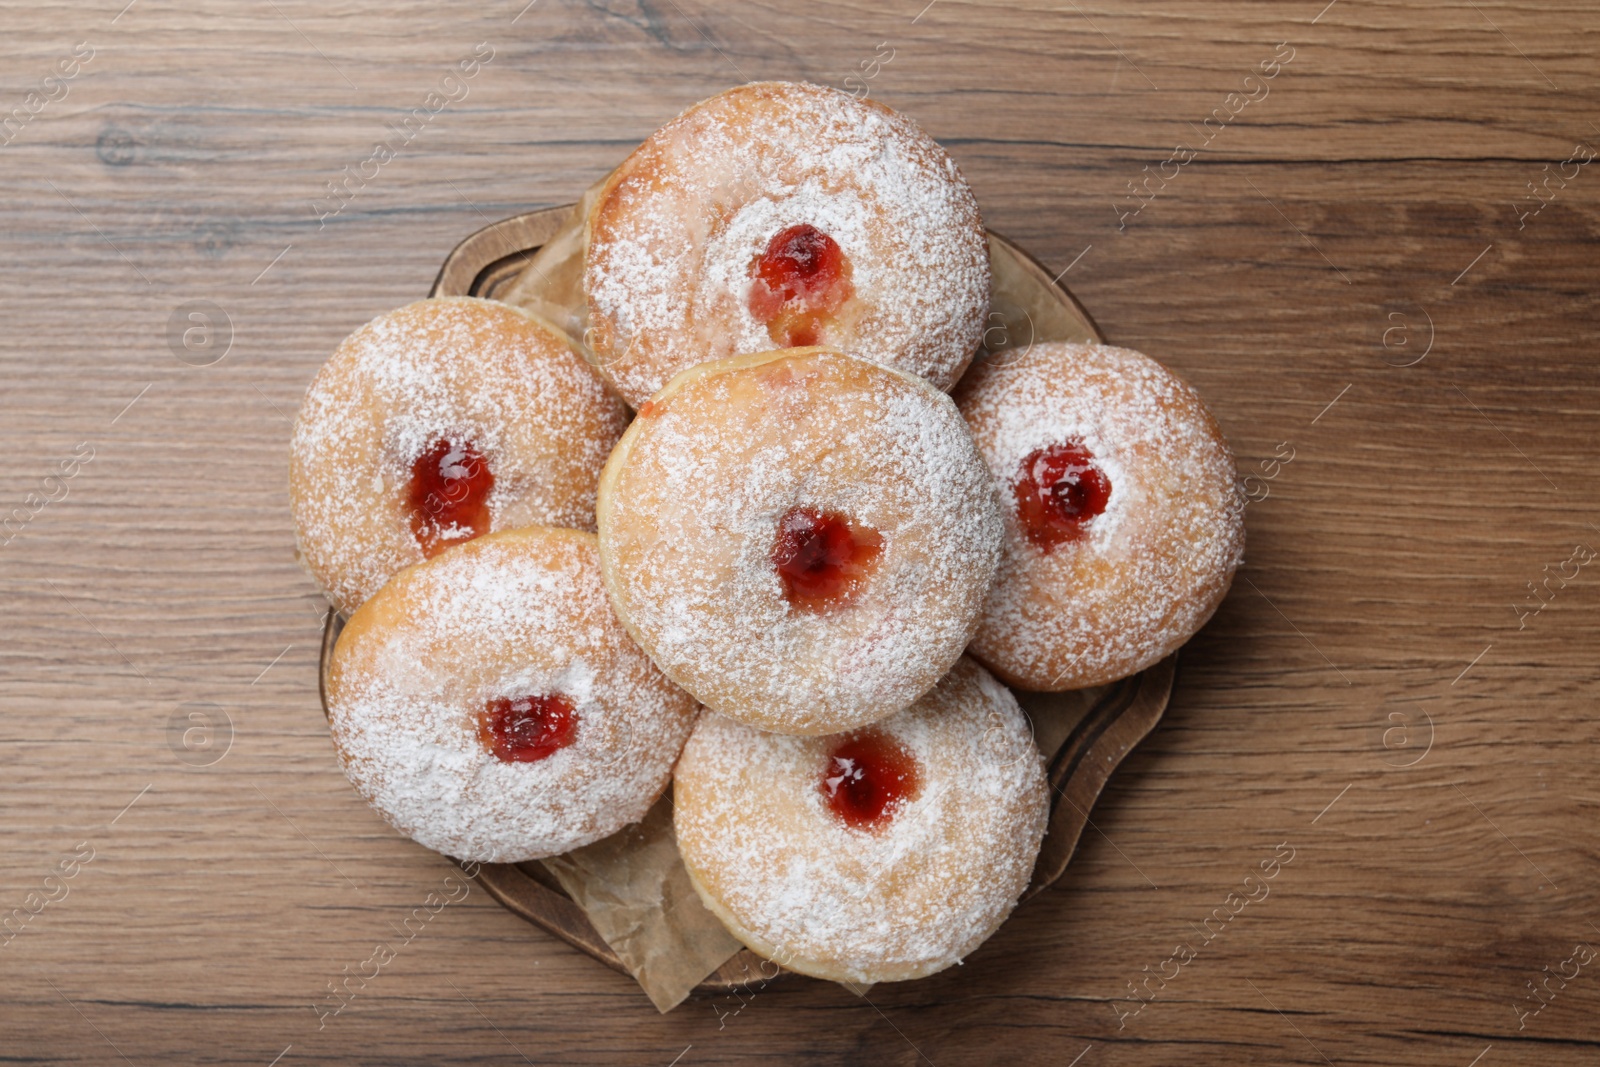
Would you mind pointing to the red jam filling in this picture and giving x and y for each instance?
(823, 559)
(449, 496)
(798, 283)
(1059, 491)
(867, 778)
(527, 729)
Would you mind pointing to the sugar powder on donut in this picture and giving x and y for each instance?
(437, 422)
(489, 705)
(750, 484)
(913, 889)
(1124, 517)
(782, 214)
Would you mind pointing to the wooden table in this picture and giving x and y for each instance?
(1344, 259)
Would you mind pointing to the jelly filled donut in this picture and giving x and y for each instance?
(778, 215)
(488, 704)
(1124, 517)
(437, 422)
(874, 856)
(801, 539)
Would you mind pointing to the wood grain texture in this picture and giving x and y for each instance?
(1375, 189)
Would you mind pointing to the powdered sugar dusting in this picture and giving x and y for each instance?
(450, 368)
(1154, 565)
(521, 613)
(673, 238)
(816, 896)
(690, 510)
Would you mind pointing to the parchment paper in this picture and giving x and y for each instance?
(552, 284)
(637, 894)
(633, 885)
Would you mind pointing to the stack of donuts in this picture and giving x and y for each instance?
(762, 532)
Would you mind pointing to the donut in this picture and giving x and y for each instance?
(878, 855)
(489, 706)
(779, 215)
(1123, 513)
(801, 538)
(437, 422)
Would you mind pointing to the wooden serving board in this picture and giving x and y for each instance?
(1083, 746)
